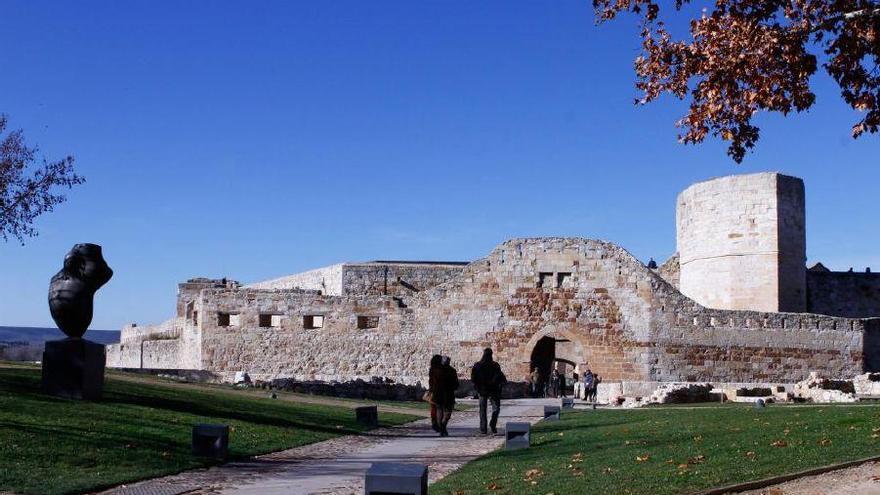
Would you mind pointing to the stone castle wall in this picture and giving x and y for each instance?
(138, 345)
(327, 280)
(847, 294)
(401, 279)
(623, 321)
(628, 322)
(741, 242)
(396, 279)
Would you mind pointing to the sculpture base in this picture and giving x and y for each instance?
(74, 369)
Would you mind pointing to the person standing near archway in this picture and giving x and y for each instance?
(488, 379)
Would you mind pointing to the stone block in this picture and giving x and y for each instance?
(568, 403)
(517, 435)
(367, 415)
(210, 440)
(397, 478)
(73, 369)
(551, 413)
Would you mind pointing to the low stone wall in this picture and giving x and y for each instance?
(377, 389)
(194, 376)
(160, 354)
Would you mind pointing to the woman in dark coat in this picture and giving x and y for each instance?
(445, 381)
(433, 385)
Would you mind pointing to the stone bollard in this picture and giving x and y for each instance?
(517, 435)
(568, 403)
(551, 413)
(210, 440)
(367, 415)
(397, 478)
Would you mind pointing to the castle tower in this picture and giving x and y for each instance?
(742, 242)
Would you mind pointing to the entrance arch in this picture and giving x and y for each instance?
(556, 349)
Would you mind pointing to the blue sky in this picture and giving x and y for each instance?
(257, 139)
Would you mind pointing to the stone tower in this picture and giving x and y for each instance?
(742, 242)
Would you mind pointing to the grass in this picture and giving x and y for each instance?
(671, 450)
(140, 430)
(395, 404)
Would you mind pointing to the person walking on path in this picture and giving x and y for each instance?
(588, 385)
(445, 399)
(554, 382)
(595, 390)
(535, 379)
(563, 385)
(488, 379)
(436, 363)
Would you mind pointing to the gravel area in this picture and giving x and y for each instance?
(859, 480)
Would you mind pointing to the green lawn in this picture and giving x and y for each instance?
(671, 450)
(407, 404)
(55, 446)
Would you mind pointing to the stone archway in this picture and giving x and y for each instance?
(554, 348)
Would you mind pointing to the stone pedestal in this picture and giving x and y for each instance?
(74, 369)
(397, 478)
(517, 435)
(210, 440)
(367, 415)
(551, 413)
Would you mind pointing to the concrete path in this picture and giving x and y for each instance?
(337, 467)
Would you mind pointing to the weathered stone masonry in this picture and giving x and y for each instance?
(625, 321)
(570, 300)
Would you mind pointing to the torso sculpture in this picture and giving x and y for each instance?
(72, 290)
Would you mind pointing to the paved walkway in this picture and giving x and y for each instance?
(337, 466)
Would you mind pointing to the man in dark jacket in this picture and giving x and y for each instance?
(488, 379)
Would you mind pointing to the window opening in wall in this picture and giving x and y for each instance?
(222, 319)
(563, 279)
(364, 322)
(232, 320)
(195, 317)
(270, 321)
(311, 322)
(544, 279)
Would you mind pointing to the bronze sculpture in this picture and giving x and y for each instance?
(73, 368)
(72, 290)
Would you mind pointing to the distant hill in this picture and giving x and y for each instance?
(38, 335)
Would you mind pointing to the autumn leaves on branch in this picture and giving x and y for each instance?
(747, 56)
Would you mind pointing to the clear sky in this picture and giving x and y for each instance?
(258, 139)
